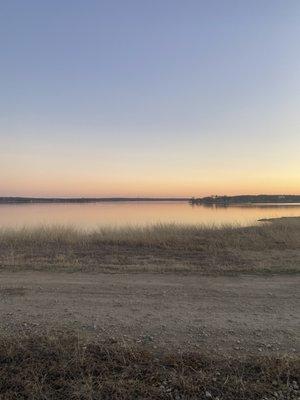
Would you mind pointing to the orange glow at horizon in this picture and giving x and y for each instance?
(130, 188)
(88, 173)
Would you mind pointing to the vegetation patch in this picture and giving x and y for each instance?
(64, 366)
(273, 247)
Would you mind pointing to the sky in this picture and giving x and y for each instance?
(149, 98)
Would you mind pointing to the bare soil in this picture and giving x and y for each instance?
(220, 314)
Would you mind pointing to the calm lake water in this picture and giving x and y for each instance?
(137, 213)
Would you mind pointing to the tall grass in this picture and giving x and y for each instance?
(231, 246)
(254, 237)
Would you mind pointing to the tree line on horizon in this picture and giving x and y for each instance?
(261, 198)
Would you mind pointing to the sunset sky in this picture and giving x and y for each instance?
(149, 98)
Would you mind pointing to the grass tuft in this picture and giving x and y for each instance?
(64, 366)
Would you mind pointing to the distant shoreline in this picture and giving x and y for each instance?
(246, 199)
(56, 200)
(207, 201)
(293, 220)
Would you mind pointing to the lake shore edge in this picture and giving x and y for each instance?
(268, 247)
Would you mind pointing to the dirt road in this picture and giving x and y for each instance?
(222, 314)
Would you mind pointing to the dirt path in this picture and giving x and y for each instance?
(223, 314)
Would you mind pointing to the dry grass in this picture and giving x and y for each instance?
(64, 366)
(284, 232)
(266, 247)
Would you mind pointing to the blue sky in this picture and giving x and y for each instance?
(149, 97)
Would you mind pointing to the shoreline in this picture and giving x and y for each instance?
(54, 200)
(164, 248)
(244, 199)
(290, 220)
(221, 201)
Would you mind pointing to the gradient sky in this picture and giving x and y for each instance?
(139, 97)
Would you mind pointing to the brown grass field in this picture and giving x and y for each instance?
(63, 366)
(269, 247)
(226, 297)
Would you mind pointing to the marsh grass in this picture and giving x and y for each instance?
(156, 248)
(65, 366)
(285, 231)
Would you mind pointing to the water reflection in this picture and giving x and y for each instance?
(139, 213)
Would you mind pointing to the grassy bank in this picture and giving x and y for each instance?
(159, 248)
(63, 366)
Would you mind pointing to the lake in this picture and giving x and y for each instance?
(93, 215)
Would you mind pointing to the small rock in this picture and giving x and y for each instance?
(148, 338)
(295, 385)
